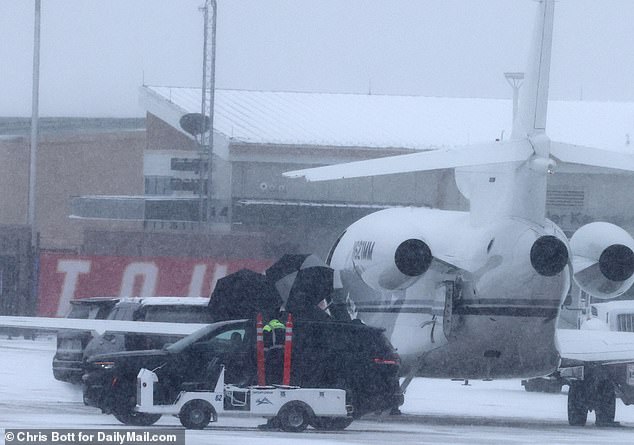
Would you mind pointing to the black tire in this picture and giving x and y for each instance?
(196, 414)
(137, 419)
(529, 386)
(543, 385)
(606, 404)
(293, 417)
(553, 387)
(331, 423)
(577, 404)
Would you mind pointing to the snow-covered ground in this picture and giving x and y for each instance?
(435, 411)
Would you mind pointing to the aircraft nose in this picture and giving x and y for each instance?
(549, 255)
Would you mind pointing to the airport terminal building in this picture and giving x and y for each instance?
(129, 191)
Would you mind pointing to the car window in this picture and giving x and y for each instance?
(103, 312)
(177, 314)
(122, 312)
(79, 311)
(204, 335)
(231, 340)
(92, 312)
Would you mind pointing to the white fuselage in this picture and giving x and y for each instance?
(480, 311)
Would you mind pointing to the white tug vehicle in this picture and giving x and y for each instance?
(289, 408)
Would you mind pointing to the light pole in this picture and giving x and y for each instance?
(515, 80)
(31, 220)
(208, 98)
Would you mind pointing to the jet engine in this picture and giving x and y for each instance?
(549, 255)
(391, 263)
(603, 259)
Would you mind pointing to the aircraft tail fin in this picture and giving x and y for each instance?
(579, 154)
(466, 156)
(533, 103)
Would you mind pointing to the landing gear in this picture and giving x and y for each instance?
(577, 404)
(605, 407)
(584, 396)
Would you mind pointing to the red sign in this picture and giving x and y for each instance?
(65, 277)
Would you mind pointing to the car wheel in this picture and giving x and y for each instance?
(577, 405)
(331, 423)
(293, 417)
(553, 387)
(61, 376)
(196, 414)
(137, 419)
(606, 403)
(529, 386)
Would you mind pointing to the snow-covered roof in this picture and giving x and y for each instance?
(366, 120)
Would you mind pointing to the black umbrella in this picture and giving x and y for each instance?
(243, 294)
(302, 281)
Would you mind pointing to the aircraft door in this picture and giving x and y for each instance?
(453, 297)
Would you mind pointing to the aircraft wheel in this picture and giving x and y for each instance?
(331, 423)
(137, 419)
(196, 414)
(294, 417)
(606, 403)
(577, 404)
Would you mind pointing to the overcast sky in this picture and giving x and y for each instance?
(95, 54)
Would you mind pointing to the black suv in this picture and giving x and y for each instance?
(165, 309)
(68, 359)
(326, 354)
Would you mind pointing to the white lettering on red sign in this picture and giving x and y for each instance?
(146, 272)
(71, 270)
(220, 271)
(197, 281)
(64, 277)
